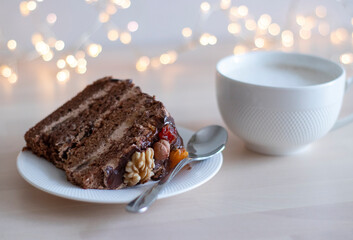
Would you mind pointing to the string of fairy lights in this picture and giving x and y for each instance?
(249, 32)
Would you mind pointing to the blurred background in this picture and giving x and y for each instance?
(50, 50)
(70, 34)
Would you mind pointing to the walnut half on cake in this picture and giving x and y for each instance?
(109, 136)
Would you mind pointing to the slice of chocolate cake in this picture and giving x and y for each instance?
(110, 136)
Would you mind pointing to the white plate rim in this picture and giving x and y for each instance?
(212, 165)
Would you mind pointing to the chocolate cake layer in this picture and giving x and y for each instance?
(94, 135)
(59, 131)
(138, 131)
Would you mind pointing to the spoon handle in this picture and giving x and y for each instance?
(142, 202)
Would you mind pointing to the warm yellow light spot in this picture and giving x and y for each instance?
(300, 20)
(51, 18)
(118, 2)
(250, 24)
(125, 4)
(42, 48)
(6, 71)
(94, 49)
(243, 11)
(287, 38)
(81, 63)
(81, 70)
(122, 3)
(125, 37)
(310, 23)
(142, 64)
(31, 5)
(324, 29)
(186, 32)
(264, 21)
(259, 42)
(63, 75)
(48, 56)
(24, 9)
(165, 58)
(305, 34)
(274, 29)
(204, 39)
(132, 26)
(113, 35)
(234, 28)
(239, 49)
(104, 17)
(342, 34)
(225, 4)
(71, 60)
(346, 58)
(212, 40)
(12, 44)
(205, 7)
(59, 45)
(321, 11)
(334, 39)
(173, 56)
(13, 78)
(61, 63)
(36, 37)
(111, 9)
(234, 12)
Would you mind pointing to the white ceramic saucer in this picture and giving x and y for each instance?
(44, 176)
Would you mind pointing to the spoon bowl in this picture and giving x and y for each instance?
(205, 140)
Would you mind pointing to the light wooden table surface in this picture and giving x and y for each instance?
(306, 196)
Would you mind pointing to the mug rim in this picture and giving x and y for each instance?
(327, 83)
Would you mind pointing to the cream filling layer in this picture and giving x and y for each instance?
(83, 106)
(116, 135)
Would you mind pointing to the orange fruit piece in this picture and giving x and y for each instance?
(176, 156)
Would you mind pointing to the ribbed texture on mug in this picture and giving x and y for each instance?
(282, 128)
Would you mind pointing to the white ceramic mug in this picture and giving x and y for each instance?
(278, 103)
